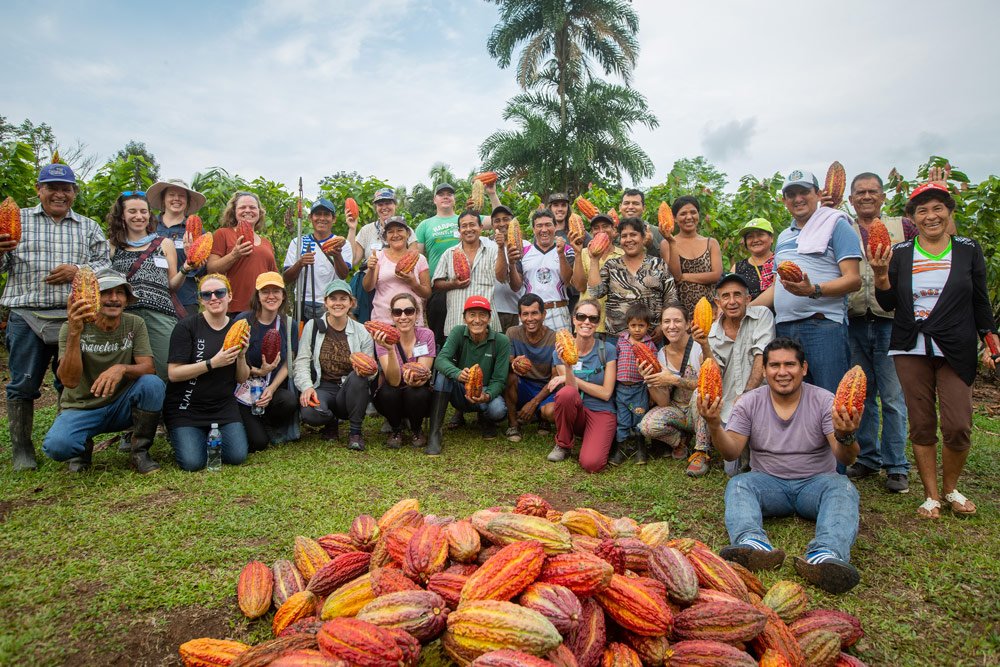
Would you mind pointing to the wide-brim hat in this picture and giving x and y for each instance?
(154, 195)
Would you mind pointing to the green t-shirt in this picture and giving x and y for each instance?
(100, 351)
(437, 234)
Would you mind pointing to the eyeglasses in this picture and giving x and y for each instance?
(133, 193)
(218, 294)
(593, 319)
(396, 312)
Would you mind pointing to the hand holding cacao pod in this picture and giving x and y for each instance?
(10, 224)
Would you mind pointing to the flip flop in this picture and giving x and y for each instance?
(960, 503)
(931, 509)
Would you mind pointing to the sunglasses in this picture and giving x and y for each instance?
(133, 193)
(396, 312)
(218, 294)
(593, 319)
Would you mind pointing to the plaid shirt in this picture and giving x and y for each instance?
(628, 368)
(44, 245)
(483, 280)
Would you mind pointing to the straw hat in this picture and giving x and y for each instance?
(155, 194)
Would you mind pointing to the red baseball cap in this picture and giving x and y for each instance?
(477, 302)
(931, 186)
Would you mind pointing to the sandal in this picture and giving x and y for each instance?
(931, 509)
(513, 434)
(960, 505)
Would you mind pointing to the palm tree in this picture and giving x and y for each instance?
(441, 173)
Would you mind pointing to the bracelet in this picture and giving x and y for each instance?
(208, 364)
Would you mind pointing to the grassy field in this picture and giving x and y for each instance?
(110, 568)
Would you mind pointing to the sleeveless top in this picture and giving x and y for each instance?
(689, 293)
(758, 277)
(149, 283)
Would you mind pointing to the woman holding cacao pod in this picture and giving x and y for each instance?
(150, 267)
(936, 284)
(266, 354)
(675, 418)
(179, 225)
(207, 360)
(333, 378)
(406, 356)
(757, 269)
(239, 251)
(395, 270)
(695, 261)
(586, 367)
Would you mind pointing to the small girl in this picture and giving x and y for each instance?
(631, 393)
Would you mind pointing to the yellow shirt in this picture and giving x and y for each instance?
(585, 260)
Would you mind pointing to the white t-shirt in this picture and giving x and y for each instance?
(541, 273)
(930, 273)
(322, 272)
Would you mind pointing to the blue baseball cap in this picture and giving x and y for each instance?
(56, 173)
(323, 203)
(384, 194)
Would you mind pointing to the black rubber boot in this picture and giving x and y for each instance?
(143, 432)
(20, 419)
(438, 407)
(640, 450)
(623, 452)
(82, 463)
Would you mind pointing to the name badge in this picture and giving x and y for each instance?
(376, 246)
(160, 262)
(578, 366)
(420, 350)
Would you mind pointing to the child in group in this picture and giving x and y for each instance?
(631, 393)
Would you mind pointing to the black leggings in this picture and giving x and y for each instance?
(394, 403)
(437, 313)
(278, 414)
(341, 401)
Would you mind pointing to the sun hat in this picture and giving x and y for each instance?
(109, 279)
(154, 195)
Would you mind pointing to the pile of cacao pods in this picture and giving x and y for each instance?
(522, 586)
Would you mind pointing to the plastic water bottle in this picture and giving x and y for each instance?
(214, 447)
(256, 389)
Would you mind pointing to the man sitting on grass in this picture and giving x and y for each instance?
(796, 439)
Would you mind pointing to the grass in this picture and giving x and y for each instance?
(110, 568)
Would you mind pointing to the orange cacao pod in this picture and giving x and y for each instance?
(264, 654)
(714, 572)
(505, 574)
(710, 380)
(254, 589)
(777, 637)
(703, 316)
(634, 607)
(481, 626)
(529, 503)
(599, 244)
(556, 603)
(474, 384)
(463, 541)
(460, 264)
(708, 652)
(574, 226)
(235, 335)
(364, 531)
(86, 288)
(307, 658)
(245, 230)
(338, 571)
(821, 648)
(297, 607)
(335, 544)
(585, 208)
(643, 355)
(487, 177)
(208, 652)
(287, 581)
(270, 345)
(309, 556)
(396, 511)
(844, 624)
(10, 219)
(359, 643)
(391, 332)
(520, 365)
(351, 208)
(515, 237)
(407, 262)
(385, 580)
(332, 245)
(753, 584)
(852, 390)
(197, 251)
(194, 227)
(790, 271)
(588, 642)
(836, 183)
(620, 655)
(426, 553)
(363, 364)
(613, 214)
(878, 237)
(772, 658)
(583, 573)
(651, 650)
(665, 219)
(568, 352)
(787, 599)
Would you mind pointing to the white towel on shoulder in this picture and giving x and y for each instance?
(815, 235)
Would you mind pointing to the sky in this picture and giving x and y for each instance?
(290, 88)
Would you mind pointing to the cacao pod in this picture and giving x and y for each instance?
(713, 571)
(789, 271)
(580, 523)
(396, 541)
(599, 244)
(417, 370)
(405, 510)
(635, 608)
(655, 534)
(264, 654)
(602, 521)
(364, 530)
(521, 365)
(309, 625)
(363, 364)
(463, 541)
(612, 553)
(351, 208)
(509, 658)
(333, 245)
(515, 237)
(567, 347)
(478, 195)
(620, 655)
(307, 658)
(255, 589)
(844, 624)
(725, 622)
(385, 580)
(506, 573)
(710, 380)
(851, 391)
(554, 602)
(407, 263)
(703, 315)
(708, 653)
(335, 544)
(772, 658)
(574, 226)
(308, 554)
(408, 644)
(194, 227)
(391, 332)
(449, 586)
(487, 177)
(87, 289)
(583, 573)
(298, 606)
(753, 583)
(624, 526)
(821, 648)
(665, 219)
(270, 345)
(338, 571)
(348, 599)
(529, 503)
(10, 219)
(423, 614)
(585, 208)
(836, 183)
(613, 214)
(287, 581)
(359, 643)
(643, 355)
(588, 642)
(474, 383)
(460, 264)
(426, 553)
(878, 237)
(236, 335)
(777, 637)
(208, 652)
(507, 527)
(197, 251)
(787, 599)
(652, 651)
(672, 568)
(846, 659)
(481, 626)
(245, 232)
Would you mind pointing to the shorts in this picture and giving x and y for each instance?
(527, 389)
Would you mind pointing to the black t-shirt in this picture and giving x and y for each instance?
(207, 399)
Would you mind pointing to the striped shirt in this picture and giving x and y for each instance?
(483, 280)
(652, 284)
(45, 244)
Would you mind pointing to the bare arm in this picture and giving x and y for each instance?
(756, 373)
(729, 443)
(708, 277)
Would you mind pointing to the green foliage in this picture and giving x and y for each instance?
(139, 148)
(98, 195)
(340, 186)
(17, 173)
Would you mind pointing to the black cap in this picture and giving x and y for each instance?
(732, 277)
(601, 217)
(558, 196)
(502, 209)
(444, 186)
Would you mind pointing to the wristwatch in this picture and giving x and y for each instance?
(846, 440)
(817, 292)
(208, 364)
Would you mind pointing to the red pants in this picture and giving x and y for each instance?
(596, 428)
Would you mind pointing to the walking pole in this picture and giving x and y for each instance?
(305, 272)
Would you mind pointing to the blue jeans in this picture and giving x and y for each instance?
(869, 349)
(631, 403)
(495, 410)
(28, 360)
(831, 500)
(69, 433)
(827, 350)
(190, 451)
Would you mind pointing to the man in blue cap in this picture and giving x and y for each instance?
(55, 243)
(306, 251)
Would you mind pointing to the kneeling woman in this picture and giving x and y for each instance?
(331, 390)
(203, 377)
(276, 405)
(404, 393)
(584, 405)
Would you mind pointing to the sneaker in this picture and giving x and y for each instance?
(356, 442)
(897, 482)
(331, 431)
(395, 440)
(557, 454)
(698, 464)
(860, 471)
(513, 434)
(832, 574)
(753, 559)
(419, 440)
(680, 452)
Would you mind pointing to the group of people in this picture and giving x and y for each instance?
(911, 316)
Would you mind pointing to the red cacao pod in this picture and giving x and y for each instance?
(589, 640)
(703, 652)
(332, 245)
(487, 177)
(583, 573)
(635, 608)
(359, 643)
(878, 237)
(407, 262)
(245, 232)
(351, 208)
(423, 614)
(556, 603)
(506, 573)
(836, 183)
(194, 227)
(599, 244)
(270, 346)
(710, 380)
(643, 355)
(789, 271)
(391, 332)
(363, 364)
(460, 264)
(521, 365)
(852, 390)
(338, 571)
(426, 553)
(474, 383)
(529, 503)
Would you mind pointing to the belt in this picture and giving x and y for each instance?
(869, 316)
(556, 304)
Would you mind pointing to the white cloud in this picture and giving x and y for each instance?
(729, 139)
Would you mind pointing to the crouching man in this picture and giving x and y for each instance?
(796, 439)
(106, 366)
